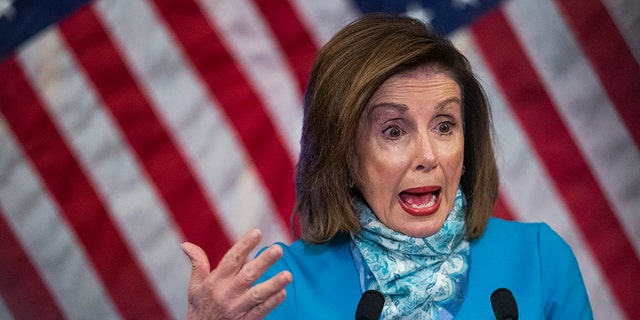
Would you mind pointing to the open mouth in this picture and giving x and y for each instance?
(420, 201)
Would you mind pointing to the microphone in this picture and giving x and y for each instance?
(370, 305)
(504, 304)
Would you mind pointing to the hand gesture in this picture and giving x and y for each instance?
(227, 292)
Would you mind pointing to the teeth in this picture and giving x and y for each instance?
(430, 203)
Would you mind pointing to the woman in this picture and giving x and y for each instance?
(395, 186)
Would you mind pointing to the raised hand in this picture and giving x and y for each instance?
(227, 292)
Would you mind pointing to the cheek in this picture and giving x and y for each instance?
(387, 166)
(381, 172)
(452, 158)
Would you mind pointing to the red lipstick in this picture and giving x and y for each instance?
(421, 201)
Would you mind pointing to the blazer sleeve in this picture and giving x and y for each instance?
(565, 295)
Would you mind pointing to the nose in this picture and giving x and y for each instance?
(425, 157)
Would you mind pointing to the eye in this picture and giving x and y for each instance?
(393, 132)
(444, 128)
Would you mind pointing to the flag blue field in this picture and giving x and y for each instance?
(128, 127)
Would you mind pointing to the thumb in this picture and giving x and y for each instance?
(200, 267)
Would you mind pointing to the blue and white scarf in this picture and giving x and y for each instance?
(421, 278)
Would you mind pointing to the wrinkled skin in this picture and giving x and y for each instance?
(410, 150)
(227, 292)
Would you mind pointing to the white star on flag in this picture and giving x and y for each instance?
(462, 4)
(417, 11)
(7, 9)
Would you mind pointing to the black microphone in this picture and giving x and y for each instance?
(504, 304)
(370, 305)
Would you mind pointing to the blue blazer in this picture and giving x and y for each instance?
(529, 259)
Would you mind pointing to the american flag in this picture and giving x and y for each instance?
(128, 127)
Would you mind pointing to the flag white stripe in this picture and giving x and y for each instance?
(4, 311)
(626, 15)
(524, 182)
(324, 18)
(193, 119)
(49, 241)
(99, 147)
(248, 38)
(590, 117)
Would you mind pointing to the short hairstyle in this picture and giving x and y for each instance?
(345, 74)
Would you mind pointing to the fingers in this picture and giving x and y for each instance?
(264, 297)
(235, 258)
(260, 311)
(228, 290)
(254, 269)
(199, 263)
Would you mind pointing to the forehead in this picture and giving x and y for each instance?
(424, 84)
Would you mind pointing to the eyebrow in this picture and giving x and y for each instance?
(443, 104)
(402, 108)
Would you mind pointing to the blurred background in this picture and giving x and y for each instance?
(128, 127)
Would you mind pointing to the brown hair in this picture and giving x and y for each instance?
(345, 74)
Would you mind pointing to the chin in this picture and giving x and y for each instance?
(427, 231)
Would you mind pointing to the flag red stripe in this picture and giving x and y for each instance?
(242, 107)
(21, 286)
(292, 36)
(609, 55)
(562, 159)
(502, 210)
(161, 159)
(63, 177)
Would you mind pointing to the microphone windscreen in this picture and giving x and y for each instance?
(504, 304)
(370, 305)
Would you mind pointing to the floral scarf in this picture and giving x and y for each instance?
(421, 278)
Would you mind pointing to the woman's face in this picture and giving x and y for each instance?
(410, 148)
